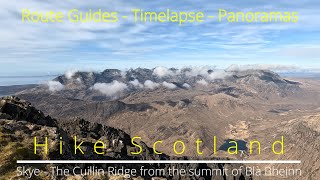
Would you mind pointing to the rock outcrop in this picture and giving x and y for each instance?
(20, 123)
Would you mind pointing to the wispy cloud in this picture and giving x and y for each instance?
(203, 82)
(113, 89)
(169, 85)
(150, 84)
(54, 86)
(39, 47)
(136, 83)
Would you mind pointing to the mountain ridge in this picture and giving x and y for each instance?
(112, 84)
(20, 121)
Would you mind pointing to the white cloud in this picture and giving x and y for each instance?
(186, 85)
(150, 84)
(199, 70)
(123, 74)
(110, 89)
(169, 85)
(136, 83)
(79, 80)
(204, 72)
(162, 72)
(70, 73)
(218, 74)
(233, 67)
(203, 82)
(54, 86)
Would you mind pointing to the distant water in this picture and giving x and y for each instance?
(242, 145)
(23, 80)
(301, 75)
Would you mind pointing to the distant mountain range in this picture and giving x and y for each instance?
(115, 84)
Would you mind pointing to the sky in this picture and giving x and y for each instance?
(39, 49)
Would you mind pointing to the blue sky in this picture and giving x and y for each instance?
(33, 49)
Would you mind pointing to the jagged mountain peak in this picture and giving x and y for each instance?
(157, 74)
(12, 107)
(114, 84)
